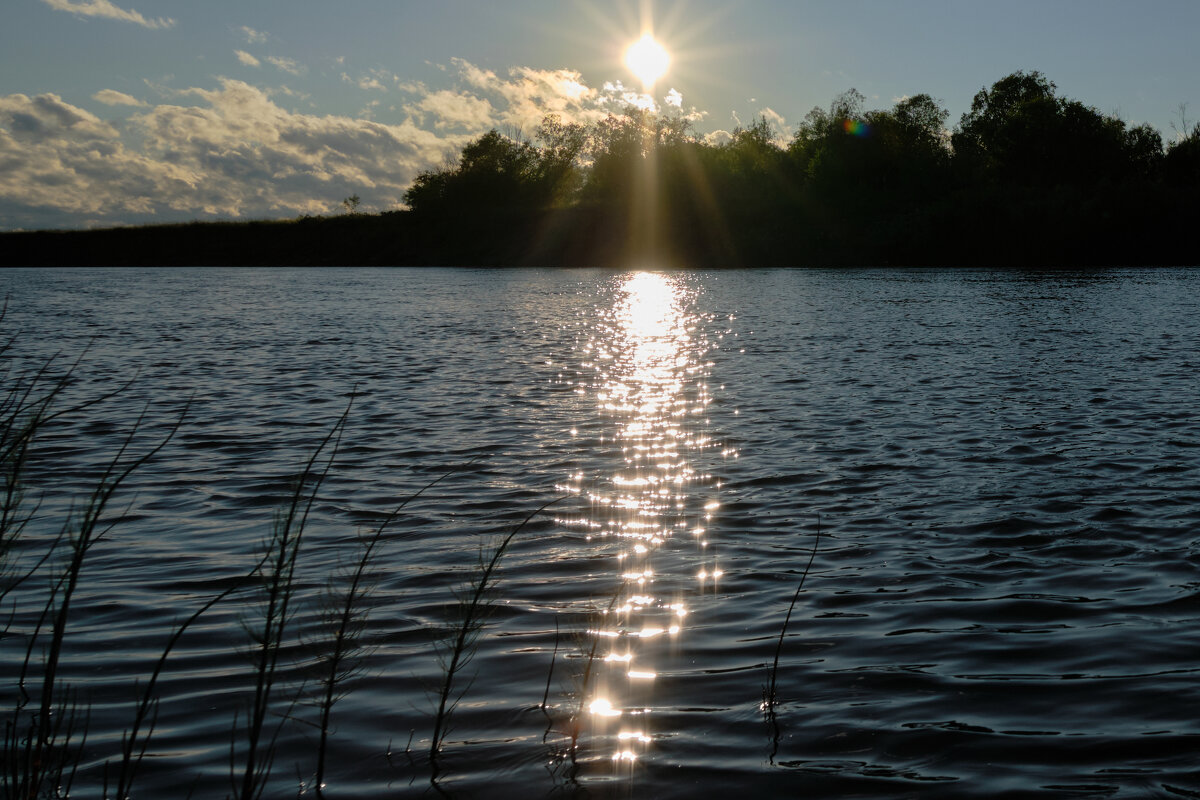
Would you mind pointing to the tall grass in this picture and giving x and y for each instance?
(39, 743)
(770, 700)
(278, 574)
(475, 607)
(346, 618)
(27, 408)
(48, 722)
(133, 742)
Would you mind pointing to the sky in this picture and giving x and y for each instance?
(131, 111)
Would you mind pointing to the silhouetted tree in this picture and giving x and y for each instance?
(1007, 128)
(562, 147)
(1020, 132)
(493, 171)
(1034, 175)
(616, 148)
(1144, 149)
(822, 135)
(1181, 166)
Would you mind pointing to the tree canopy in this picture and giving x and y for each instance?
(882, 184)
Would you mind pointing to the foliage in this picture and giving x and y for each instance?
(1182, 161)
(1021, 132)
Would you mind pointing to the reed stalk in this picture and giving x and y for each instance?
(147, 707)
(549, 678)
(348, 619)
(26, 408)
(278, 586)
(36, 751)
(770, 694)
(475, 609)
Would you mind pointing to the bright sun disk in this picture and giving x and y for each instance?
(647, 59)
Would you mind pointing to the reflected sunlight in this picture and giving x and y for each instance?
(646, 367)
(603, 708)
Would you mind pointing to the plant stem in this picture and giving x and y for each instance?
(770, 698)
(474, 612)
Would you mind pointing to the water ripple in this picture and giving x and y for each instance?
(1004, 602)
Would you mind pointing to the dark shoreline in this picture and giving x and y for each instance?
(1158, 233)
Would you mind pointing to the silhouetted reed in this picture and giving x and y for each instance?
(133, 748)
(550, 677)
(475, 606)
(770, 694)
(26, 409)
(39, 735)
(590, 653)
(277, 575)
(47, 724)
(347, 618)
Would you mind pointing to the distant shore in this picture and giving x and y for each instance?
(1157, 233)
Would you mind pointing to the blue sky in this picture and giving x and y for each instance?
(124, 111)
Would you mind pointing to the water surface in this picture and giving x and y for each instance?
(1002, 467)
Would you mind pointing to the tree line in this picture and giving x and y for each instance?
(1025, 177)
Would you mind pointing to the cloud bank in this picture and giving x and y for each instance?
(232, 151)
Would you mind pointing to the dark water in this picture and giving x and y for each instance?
(1004, 469)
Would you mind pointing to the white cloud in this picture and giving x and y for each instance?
(246, 58)
(673, 102)
(56, 156)
(473, 75)
(618, 97)
(718, 138)
(451, 109)
(365, 82)
(232, 152)
(368, 111)
(411, 87)
(287, 65)
(111, 97)
(105, 9)
(253, 36)
(783, 132)
(527, 95)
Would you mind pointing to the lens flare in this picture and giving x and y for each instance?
(857, 128)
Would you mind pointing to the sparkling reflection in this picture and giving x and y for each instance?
(646, 368)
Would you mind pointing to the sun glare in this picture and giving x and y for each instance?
(647, 59)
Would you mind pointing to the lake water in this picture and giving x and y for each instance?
(999, 472)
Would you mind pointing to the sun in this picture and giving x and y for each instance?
(647, 59)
